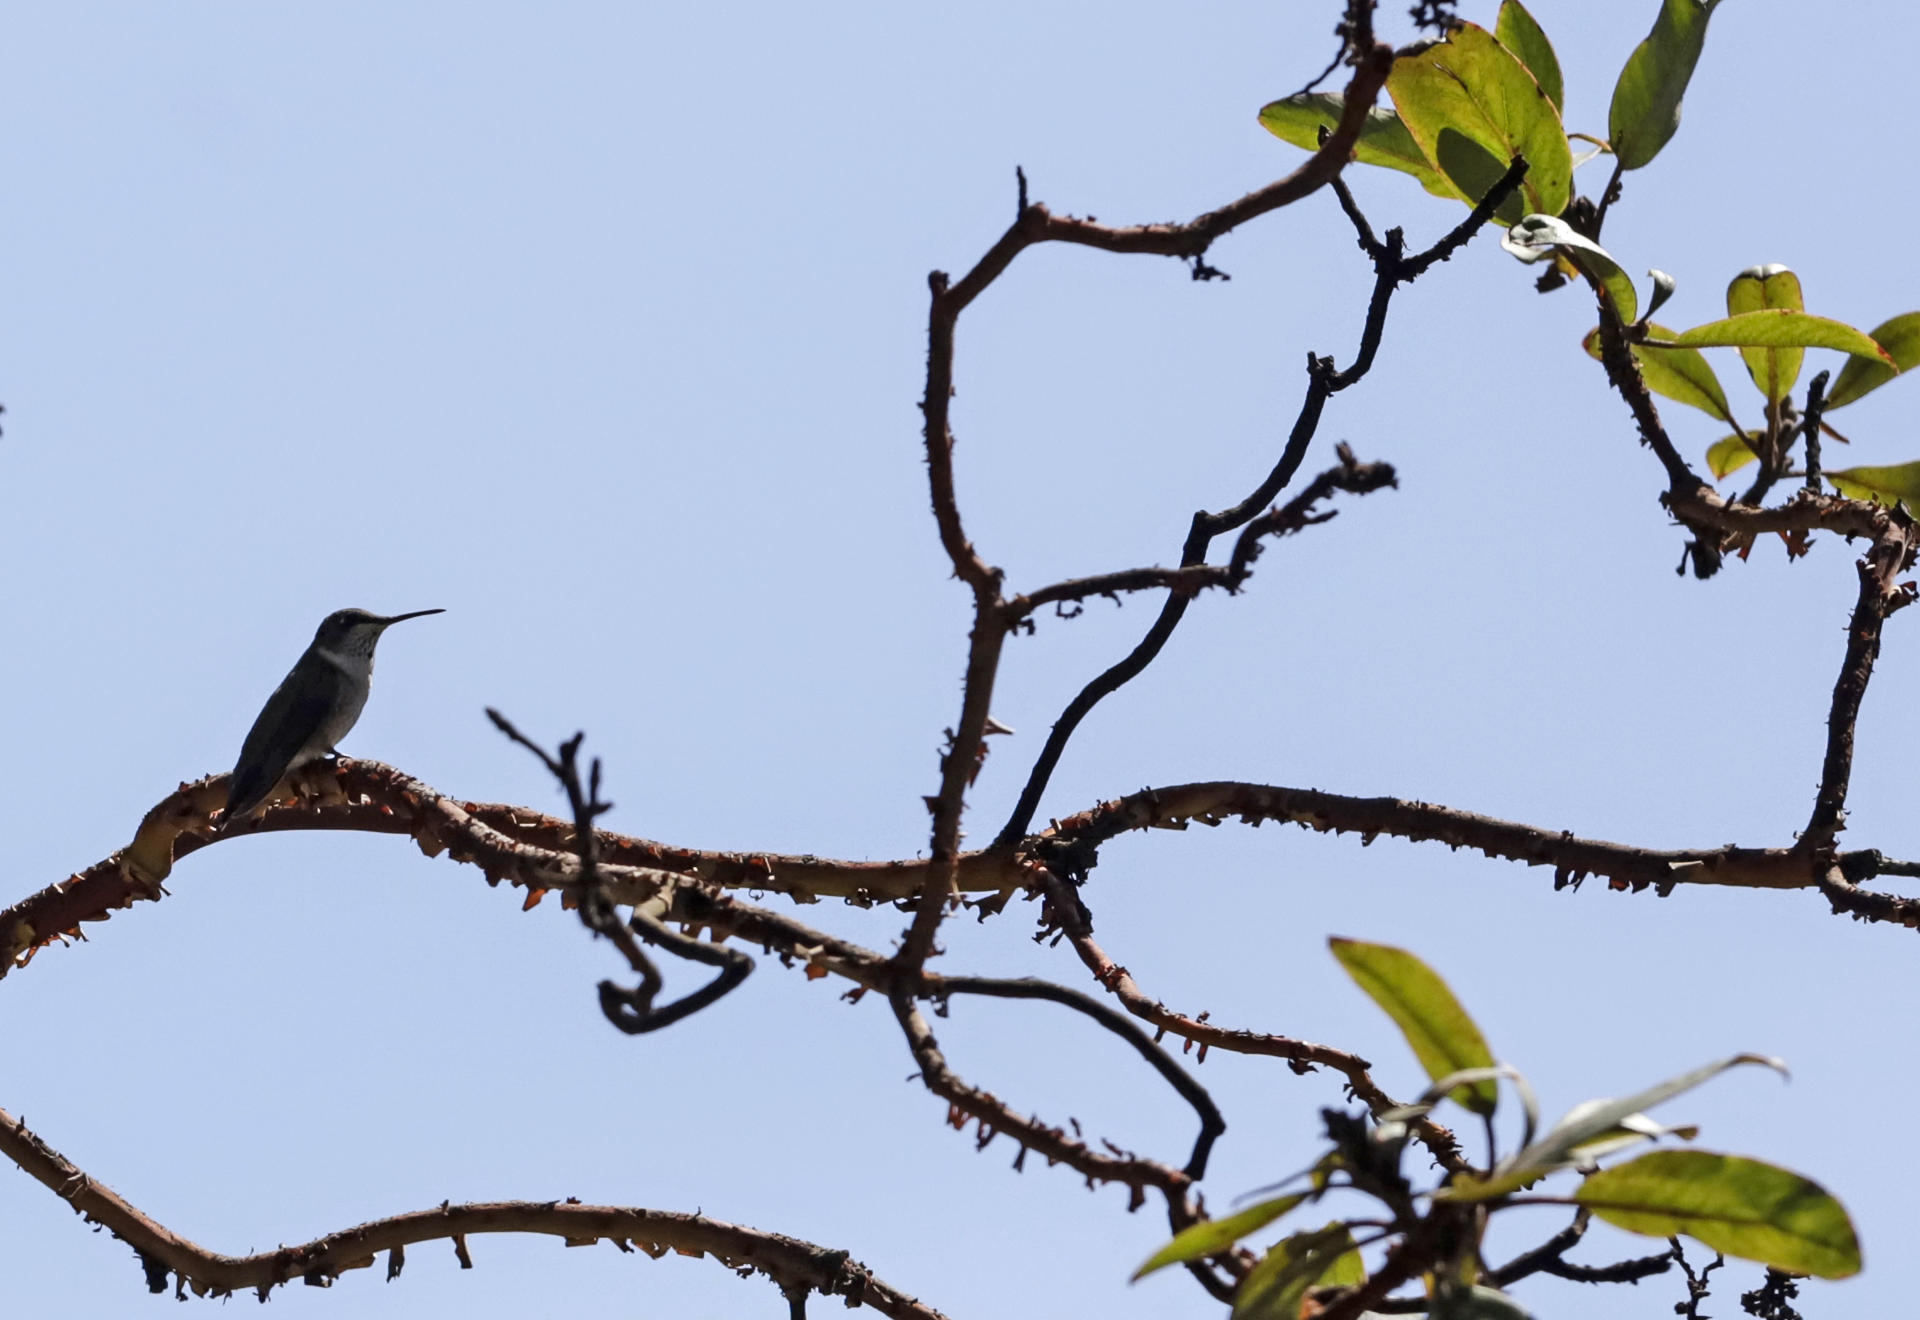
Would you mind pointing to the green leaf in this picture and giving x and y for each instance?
(1774, 370)
(1728, 455)
(1646, 100)
(1901, 338)
(1733, 1204)
(1778, 328)
(1583, 1123)
(1899, 484)
(1443, 1037)
(1276, 1285)
(1472, 106)
(1212, 1236)
(1680, 374)
(1536, 236)
(1516, 30)
(1384, 140)
(1347, 1271)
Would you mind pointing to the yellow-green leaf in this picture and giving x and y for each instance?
(1728, 455)
(1473, 106)
(1646, 100)
(1444, 1038)
(1778, 328)
(1277, 1284)
(1774, 370)
(1899, 484)
(1348, 1271)
(1516, 30)
(1384, 140)
(1740, 1206)
(1680, 374)
(1212, 1236)
(1901, 338)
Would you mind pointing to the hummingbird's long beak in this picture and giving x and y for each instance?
(414, 614)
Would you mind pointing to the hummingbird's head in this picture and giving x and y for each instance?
(353, 632)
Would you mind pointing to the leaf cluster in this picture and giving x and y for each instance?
(1465, 106)
(1735, 1204)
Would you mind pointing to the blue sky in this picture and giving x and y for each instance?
(602, 327)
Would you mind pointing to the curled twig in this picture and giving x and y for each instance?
(631, 1010)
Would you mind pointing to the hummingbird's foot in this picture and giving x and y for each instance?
(317, 784)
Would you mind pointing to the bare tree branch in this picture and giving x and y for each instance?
(1186, 581)
(789, 1261)
(1212, 1125)
(1391, 269)
(1572, 858)
(632, 1011)
(521, 847)
(1891, 555)
(1070, 914)
(1035, 224)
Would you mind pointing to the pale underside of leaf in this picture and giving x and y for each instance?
(1535, 237)
(1585, 1122)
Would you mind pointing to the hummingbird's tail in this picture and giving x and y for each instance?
(245, 792)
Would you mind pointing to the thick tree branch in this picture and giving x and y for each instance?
(790, 1262)
(698, 904)
(1573, 858)
(524, 848)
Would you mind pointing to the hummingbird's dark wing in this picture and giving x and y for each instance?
(290, 720)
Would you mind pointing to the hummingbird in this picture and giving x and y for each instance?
(314, 706)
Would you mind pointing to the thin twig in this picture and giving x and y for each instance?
(631, 1010)
(1187, 581)
(1879, 597)
(1810, 428)
(1391, 269)
(1354, 477)
(1070, 914)
(1212, 1124)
